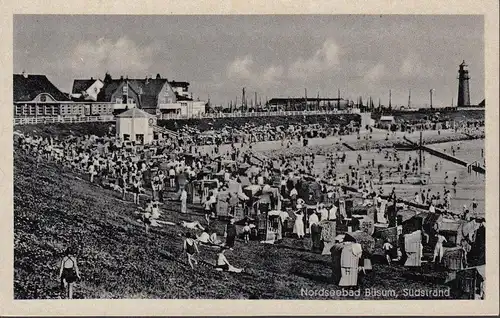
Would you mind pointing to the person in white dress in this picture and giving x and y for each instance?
(298, 227)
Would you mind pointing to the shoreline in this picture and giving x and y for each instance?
(364, 145)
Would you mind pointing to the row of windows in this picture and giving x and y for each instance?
(44, 110)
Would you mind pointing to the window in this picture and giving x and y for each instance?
(43, 98)
(118, 100)
(126, 137)
(125, 90)
(184, 104)
(39, 110)
(19, 109)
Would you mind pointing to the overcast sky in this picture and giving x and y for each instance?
(277, 56)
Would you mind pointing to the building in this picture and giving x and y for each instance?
(463, 86)
(136, 125)
(385, 122)
(156, 96)
(187, 108)
(35, 95)
(86, 90)
(312, 103)
(181, 90)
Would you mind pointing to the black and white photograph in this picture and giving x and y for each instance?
(284, 157)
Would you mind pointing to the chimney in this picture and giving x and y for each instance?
(25, 75)
(91, 78)
(121, 77)
(158, 76)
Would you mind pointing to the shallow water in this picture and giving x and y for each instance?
(469, 185)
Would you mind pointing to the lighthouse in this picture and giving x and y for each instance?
(463, 86)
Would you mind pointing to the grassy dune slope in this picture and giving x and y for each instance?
(54, 209)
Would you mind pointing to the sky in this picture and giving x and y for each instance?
(273, 55)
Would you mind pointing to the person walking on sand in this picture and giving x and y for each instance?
(69, 272)
(191, 248)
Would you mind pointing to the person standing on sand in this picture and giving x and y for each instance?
(183, 201)
(474, 207)
(298, 227)
(230, 234)
(136, 186)
(439, 249)
(191, 248)
(171, 176)
(122, 183)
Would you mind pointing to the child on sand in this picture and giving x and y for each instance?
(246, 232)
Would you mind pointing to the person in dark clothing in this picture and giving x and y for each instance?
(230, 234)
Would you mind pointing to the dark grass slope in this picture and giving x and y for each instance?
(53, 209)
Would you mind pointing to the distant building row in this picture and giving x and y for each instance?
(35, 95)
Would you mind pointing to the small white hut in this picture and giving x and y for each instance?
(135, 125)
(385, 122)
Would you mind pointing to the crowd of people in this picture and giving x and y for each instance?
(179, 166)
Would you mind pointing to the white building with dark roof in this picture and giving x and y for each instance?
(135, 125)
(35, 95)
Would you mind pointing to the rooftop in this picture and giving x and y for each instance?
(27, 87)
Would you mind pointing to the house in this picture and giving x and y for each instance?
(181, 90)
(35, 95)
(135, 125)
(156, 96)
(86, 90)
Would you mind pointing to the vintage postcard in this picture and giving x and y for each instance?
(249, 161)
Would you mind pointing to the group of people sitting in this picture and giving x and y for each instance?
(209, 238)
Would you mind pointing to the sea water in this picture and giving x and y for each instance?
(469, 185)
